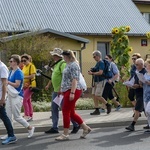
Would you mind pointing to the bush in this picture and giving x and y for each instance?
(82, 104)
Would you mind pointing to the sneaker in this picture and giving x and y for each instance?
(130, 128)
(9, 140)
(75, 130)
(146, 127)
(108, 108)
(31, 132)
(147, 131)
(85, 132)
(52, 131)
(95, 112)
(118, 108)
(102, 110)
(29, 119)
(4, 137)
(62, 138)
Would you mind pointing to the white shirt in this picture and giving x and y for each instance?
(3, 74)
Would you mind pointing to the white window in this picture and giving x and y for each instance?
(147, 17)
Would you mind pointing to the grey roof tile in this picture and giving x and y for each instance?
(73, 16)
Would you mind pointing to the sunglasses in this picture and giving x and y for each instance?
(23, 60)
(133, 58)
(94, 56)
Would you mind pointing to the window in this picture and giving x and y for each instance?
(103, 47)
(147, 17)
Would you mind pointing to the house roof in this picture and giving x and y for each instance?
(72, 16)
(142, 1)
(26, 34)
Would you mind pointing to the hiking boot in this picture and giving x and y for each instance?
(108, 108)
(52, 131)
(95, 112)
(75, 130)
(130, 128)
(146, 127)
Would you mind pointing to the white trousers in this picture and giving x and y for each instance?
(13, 108)
(147, 111)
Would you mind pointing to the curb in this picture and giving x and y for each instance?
(92, 125)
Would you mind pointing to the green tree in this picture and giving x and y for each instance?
(39, 47)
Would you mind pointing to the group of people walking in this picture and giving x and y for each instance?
(16, 79)
(65, 80)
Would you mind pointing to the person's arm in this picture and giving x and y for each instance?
(73, 88)
(48, 85)
(4, 90)
(15, 84)
(115, 72)
(100, 72)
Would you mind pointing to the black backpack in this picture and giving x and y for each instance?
(107, 72)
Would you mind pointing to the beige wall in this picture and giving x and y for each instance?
(88, 61)
(143, 8)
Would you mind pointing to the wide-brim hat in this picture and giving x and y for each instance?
(57, 51)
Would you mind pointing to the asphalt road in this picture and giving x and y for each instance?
(116, 138)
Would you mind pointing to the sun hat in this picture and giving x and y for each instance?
(57, 51)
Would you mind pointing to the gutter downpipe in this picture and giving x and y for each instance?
(80, 58)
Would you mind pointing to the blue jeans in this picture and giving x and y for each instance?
(6, 121)
(55, 113)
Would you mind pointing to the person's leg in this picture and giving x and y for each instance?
(68, 109)
(112, 98)
(97, 91)
(6, 121)
(25, 102)
(55, 112)
(55, 115)
(9, 109)
(131, 96)
(29, 103)
(147, 112)
(138, 109)
(99, 94)
(16, 110)
(96, 102)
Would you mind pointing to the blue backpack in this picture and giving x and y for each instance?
(107, 72)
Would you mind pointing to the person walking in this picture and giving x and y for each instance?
(29, 72)
(108, 89)
(146, 93)
(131, 92)
(139, 105)
(14, 103)
(71, 89)
(56, 78)
(99, 83)
(11, 138)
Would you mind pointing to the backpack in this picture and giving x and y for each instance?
(107, 72)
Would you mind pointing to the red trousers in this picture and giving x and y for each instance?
(68, 109)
